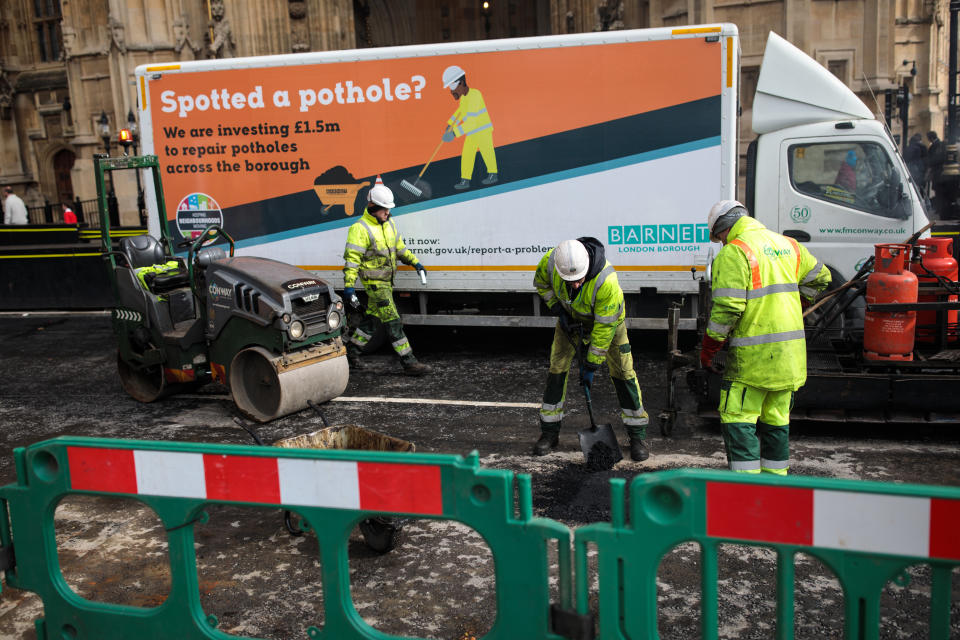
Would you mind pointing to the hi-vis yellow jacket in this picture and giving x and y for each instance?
(471, 115)
(372, 250)
(758, 278)
(597, 303)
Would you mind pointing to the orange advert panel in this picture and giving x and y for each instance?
(248, 135)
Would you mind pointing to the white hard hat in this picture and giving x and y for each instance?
(451, 77)
(719, 210)
(381, 195)
(571, 260)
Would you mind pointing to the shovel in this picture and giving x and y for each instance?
(598, 443)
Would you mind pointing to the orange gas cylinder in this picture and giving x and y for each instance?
(935, 256)
(886, 335)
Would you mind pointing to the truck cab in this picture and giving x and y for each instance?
(823, 169)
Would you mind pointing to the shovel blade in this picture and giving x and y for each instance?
(600, 447)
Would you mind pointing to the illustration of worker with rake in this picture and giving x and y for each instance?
(470, 121)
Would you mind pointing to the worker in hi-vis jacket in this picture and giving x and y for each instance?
(576, 280)
(471, 121)
(373, 247)
(759, 278)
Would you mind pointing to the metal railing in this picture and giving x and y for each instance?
(52, 213)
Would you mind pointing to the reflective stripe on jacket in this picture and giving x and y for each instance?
(372, 251)
(758, 277)
(598, 303)
(471, 116)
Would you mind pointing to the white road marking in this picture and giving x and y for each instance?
(462, 403)
(436, 401)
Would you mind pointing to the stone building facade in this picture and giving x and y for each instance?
(66, 63)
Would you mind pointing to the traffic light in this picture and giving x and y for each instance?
(888, 106)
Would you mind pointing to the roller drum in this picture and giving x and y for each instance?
(266, 386)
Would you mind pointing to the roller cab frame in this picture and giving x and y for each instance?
(268, 330)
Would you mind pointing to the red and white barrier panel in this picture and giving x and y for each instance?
(868, 522)
(338, 484)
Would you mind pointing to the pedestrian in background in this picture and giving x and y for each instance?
(373, 247)
(576, 280)
(915, 155)
(14, 211)
(69, 217)
(758, 279)
(936, 154)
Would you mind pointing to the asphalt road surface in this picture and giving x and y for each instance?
(58, 377)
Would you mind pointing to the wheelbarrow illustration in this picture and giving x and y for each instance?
(339, 194)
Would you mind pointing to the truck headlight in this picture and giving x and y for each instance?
(296, 330)
(333, 320)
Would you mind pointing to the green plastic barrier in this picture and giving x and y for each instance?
(867, 533)
(331, 489)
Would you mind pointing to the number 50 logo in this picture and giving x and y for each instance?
(800, 214)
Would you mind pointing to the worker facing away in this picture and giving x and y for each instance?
(576, 280)
(758, 279)
(373, 246)
(471, 121)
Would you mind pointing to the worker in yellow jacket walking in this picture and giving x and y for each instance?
(373, 247)
(759, 278)
(471, 121)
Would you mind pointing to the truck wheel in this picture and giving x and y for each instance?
(144, 385)
(382, 534)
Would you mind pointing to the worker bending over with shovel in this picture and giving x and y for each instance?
(576, 280)
(758, 279)
(373, 246)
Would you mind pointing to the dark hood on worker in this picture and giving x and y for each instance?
(598, 256)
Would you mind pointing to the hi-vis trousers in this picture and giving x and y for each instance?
(756, 428)
(620, 363)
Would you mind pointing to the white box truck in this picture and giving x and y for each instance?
(626, 136)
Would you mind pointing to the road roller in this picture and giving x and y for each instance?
(269, 331)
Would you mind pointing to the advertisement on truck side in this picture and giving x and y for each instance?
(493, 156)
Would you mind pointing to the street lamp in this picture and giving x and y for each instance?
(104, 128)
(485, 11)
(133, 132)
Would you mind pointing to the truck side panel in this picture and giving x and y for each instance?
(627, 140)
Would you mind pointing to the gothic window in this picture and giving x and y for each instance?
(46, 22)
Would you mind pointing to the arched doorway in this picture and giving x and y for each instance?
(62, 164)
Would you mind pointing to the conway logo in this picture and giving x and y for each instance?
(776, 253)
(220, 291)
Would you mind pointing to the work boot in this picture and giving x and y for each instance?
(463, 184)
(353, 358)
(413, 368)
(490, 179)
(638, 450)
(546, 442)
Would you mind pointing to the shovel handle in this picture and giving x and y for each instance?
(586, 394)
